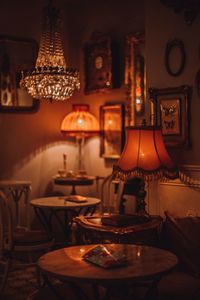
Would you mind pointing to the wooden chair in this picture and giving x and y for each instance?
(20, 247)
(6, 240)
(28, 244)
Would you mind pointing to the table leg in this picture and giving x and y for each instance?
(78, 292)
(52, 288)
(119, 292)
(43, 219)
(73, 190)
(152, 292)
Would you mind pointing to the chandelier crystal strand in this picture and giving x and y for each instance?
(51, 79)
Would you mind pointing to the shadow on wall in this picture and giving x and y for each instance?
(50, 191)
(23, 152)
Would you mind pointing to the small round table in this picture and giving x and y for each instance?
(74, 181)
(143, 263)
(55, 204)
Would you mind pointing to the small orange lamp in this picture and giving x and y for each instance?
(144, 156)
(80, 123)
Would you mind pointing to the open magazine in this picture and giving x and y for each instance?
(105, 256)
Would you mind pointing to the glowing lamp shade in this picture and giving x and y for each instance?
(144, 156)
(80, 122)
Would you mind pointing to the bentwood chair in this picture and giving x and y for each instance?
(19, 246)
(28, 243)
(6, 240)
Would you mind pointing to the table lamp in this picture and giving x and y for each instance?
(81, 124)
(144, 156)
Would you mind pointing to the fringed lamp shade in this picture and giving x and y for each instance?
(51, 79)
(80, 122)
(144, 156)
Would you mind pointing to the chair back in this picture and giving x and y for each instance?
(6, 238)
(18, 193)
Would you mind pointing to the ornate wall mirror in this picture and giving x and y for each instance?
(135, 78)
(16, 54)
(175, 57)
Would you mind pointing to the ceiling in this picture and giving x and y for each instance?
(189, 8)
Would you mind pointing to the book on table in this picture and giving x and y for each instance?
(123, 220)
(75, 198)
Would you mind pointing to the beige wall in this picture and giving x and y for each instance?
(162, 25)
(31, 144)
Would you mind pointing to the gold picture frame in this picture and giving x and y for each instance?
(112, 120)
(135, 77)
(101, 64)
(171, 111)
(16, 54)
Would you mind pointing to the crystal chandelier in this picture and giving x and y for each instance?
(50, 79)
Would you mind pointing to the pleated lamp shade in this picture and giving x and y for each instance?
(145, 156)
(80, 122)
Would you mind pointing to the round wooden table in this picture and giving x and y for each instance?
(143, 263)
(48, 207)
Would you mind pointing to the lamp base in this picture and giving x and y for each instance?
(140, 199)
(135, 187)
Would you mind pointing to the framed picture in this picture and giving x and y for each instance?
(135, 77)
(172, 113)
(16, 54)
(112, 118)
(99, 53)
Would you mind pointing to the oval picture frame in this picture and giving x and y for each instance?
(197, 82)
(171, 45)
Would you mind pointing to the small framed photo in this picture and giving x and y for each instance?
(99, 54)
(112, 120)
(171, 108)
(135, 76)
(16, 54)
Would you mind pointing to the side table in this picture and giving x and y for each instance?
(91, 230)
(48, 208)
(74, 181)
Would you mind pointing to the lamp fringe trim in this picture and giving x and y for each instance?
(163, 173)
(160, 174)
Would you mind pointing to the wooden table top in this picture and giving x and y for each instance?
(143, 263)
(60, 202)
(74, 180)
